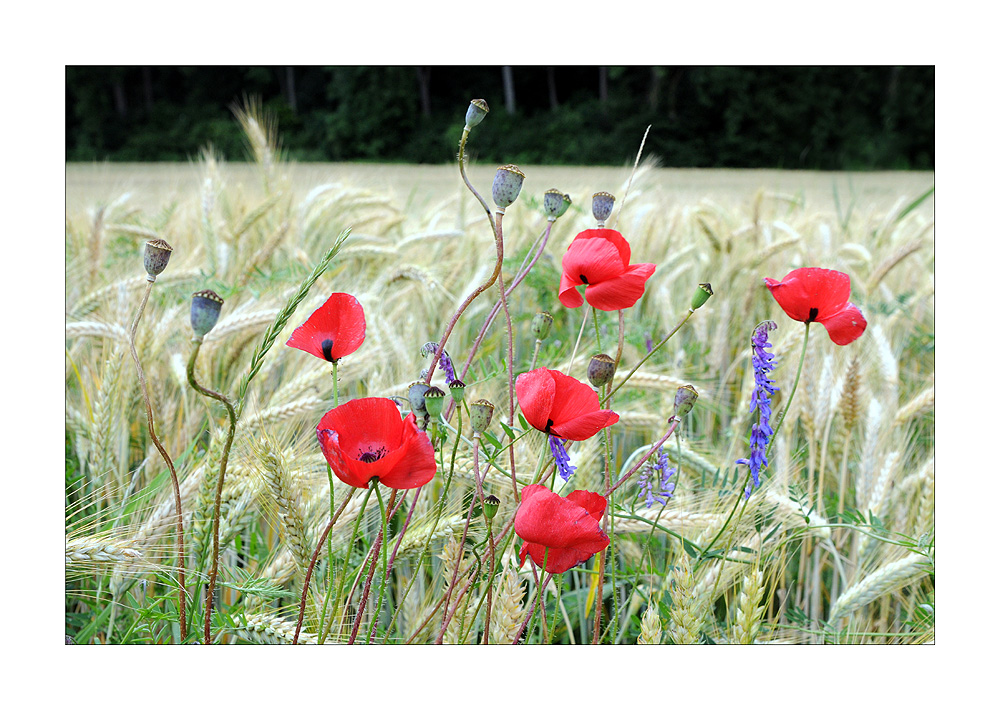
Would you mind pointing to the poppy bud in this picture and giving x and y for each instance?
(702, 295)
(476, 113)
(481, 412)
(156, 256)
(601, 370)
(602, 206)
(684, 400)
(416, 396)
(490, 507)
(205, 308)
(541, 324)
(434, 401)
(457, 389)
(507, 186)
(552, 204)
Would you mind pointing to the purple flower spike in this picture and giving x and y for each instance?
(648, 475)
(760, 400)
(446, 365)
(561, 457)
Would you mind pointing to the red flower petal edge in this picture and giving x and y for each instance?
(561, 405)
(568, 528)
(335, 329)
(365, 438)
(820, 295)
(599, 259)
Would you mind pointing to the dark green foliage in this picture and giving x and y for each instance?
(829, 118)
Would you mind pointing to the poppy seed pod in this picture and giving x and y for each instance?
(684, 400)
(490, 506)
(602, 205)
(702, 295)
(481, 412)
(415, 394)
(205, 308)
(552, 204)
(507, 186)
(476, 113)
(601, 370)
(541, 324)
(434, 401)
(156, 256)
(457, 389)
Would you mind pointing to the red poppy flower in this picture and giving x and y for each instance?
(561, 405)
(335, 329)
(568, 527)
(599, 259)
(364, 438)
(820, 295)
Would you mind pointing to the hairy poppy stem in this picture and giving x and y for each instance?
(312, 564)
(510, 353)
(379, 545)
(342, 575)
(213, 575)
(181, 591)
(534, 603)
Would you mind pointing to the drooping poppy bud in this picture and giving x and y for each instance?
(684, 400)
(541, 324)
(601, 370)
(601, 206)
(155, 257)
(507, 186)
(481, 412)
(476, 113)
(701, 296)
(205, 308)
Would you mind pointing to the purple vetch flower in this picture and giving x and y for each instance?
(562, 458)
(760, 400)
(446, 365)
(649, 342)
(659, 470)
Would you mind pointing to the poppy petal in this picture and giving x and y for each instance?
(334, 330)
(571, 398)
(536, 391)
(593, 503)
(558, 559)
(568, 295)
(329, 444)
(613, 236)
(591, 261)
(811, 294)
(415, 464)
(585, 426)
(845, 326)
(622, 291)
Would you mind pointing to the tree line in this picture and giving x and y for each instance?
(826, 118)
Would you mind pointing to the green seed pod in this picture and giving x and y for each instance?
(434, 401)
(490, 506)
(156, 256)
(601, 370)
(416, 394)
(457, 389)
(602, 205)
(541, 324)
(476, 113)
(684, 400)
(565, 205)
(552, 204)
(702, 295)
(507, 186)
(205, 308)
(481, 414)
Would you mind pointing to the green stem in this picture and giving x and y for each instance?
(795, 385)
(648, 355)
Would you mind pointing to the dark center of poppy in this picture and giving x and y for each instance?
(813, 314)
(372, 456)
(327, 346)
(548, 426)
(584, 279)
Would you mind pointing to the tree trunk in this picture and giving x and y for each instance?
(290, 89)
(508, 88)
(550, 74)
(147, 88)
(602, 86)
(424, 81)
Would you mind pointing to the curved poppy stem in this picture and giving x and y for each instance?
(181, 590)
(312, 564)
(230, 409)
(510, 352)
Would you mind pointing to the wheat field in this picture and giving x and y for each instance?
(837, 546)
